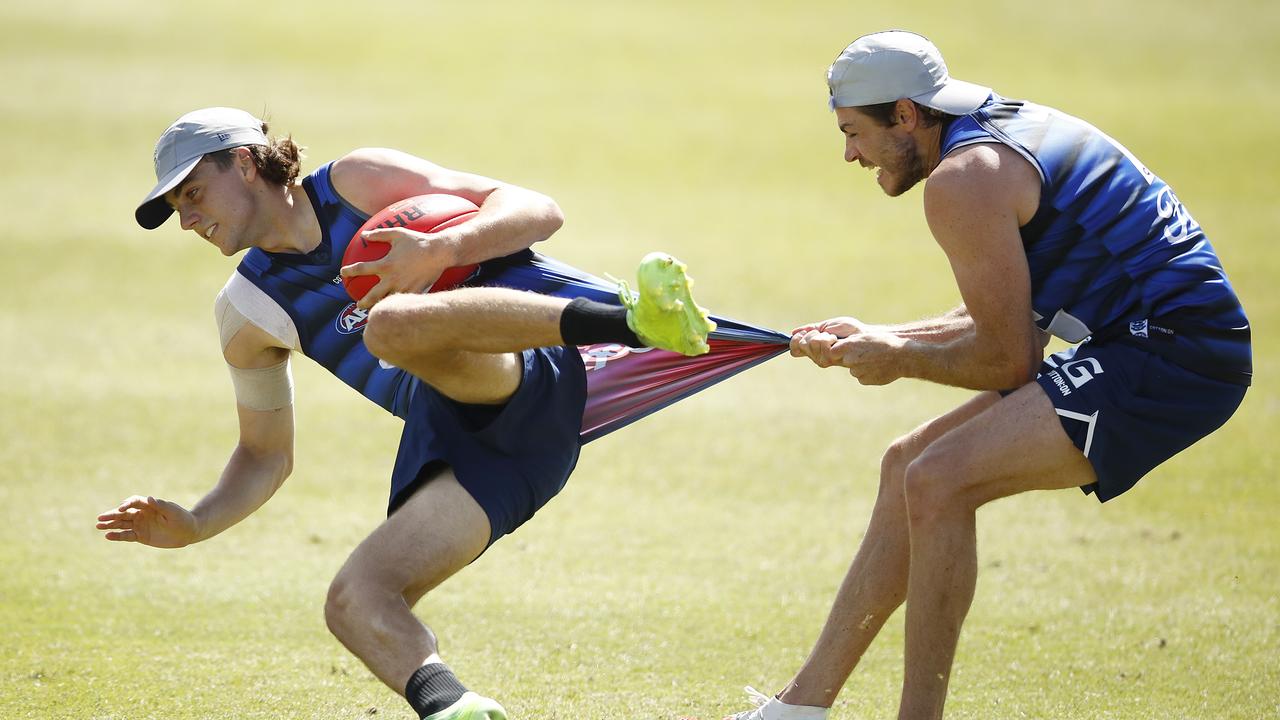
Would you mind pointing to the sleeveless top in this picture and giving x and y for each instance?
(309, 289)
(1113, 253)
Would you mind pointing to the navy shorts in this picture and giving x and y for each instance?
(1128, 410)
(511, 458)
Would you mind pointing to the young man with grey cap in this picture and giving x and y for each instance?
(488, 380)
(1051, 228)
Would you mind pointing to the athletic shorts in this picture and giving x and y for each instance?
(1128, 410)
(511, 458)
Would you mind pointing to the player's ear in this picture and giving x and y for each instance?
(906, 114)
(244, 163)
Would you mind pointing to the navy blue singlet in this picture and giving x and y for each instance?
(310, 290)
(1113, 253)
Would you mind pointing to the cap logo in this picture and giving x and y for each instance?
(223, 137)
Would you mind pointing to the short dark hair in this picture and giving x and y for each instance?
(883, 114)
(279, 162)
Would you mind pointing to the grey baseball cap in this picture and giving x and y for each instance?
(183, 143)
(887, 66)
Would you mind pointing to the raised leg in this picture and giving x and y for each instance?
(464, 342)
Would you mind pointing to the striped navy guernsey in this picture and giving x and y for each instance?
(1113, 253)
(309, 289)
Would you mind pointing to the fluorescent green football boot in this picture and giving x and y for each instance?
(665, 315)
(471, 707)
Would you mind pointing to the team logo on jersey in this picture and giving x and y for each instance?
(352, 319)
(1180, 225)
(596, 357)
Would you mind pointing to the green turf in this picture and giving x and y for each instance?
(643, 591)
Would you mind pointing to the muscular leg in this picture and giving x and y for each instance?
(876, 582)
(486, 320)
(1014, 446)
(464, 342)
(435, 533)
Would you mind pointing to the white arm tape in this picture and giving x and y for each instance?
(269, 388)
(241, 301)
(230, 320)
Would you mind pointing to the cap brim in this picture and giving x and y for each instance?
(153, 210)
(956, 97)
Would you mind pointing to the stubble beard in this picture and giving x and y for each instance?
(904, 169)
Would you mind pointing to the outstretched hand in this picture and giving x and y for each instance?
(413, 263)
(150, 521)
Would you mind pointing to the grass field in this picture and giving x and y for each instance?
(696, 551)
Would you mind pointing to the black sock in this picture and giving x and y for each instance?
(587, 322)
(432, 688)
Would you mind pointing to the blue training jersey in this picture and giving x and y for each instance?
(1113, 253)
(309, 289)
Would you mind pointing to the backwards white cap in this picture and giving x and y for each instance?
(888, 66)
(188, 139)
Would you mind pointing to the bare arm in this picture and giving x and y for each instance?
(942, 328)
(955, 325)
(259, 465)
(936, 329)
(975, 202)
(261, 461)
(511, 218)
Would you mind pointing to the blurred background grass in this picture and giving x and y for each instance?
(649, 588)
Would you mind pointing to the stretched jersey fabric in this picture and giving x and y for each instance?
(623, 384)
(1113, 254)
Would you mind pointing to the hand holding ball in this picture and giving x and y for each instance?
(423, 213)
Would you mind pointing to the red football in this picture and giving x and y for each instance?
(424, 213)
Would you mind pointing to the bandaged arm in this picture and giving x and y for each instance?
(257, 337)
(239, 304)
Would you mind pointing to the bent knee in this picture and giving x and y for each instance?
(340, 604)
(399, 326)
(936, 484)
(356, 607)
(384, 327)
(895, 461)
(896, 458)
